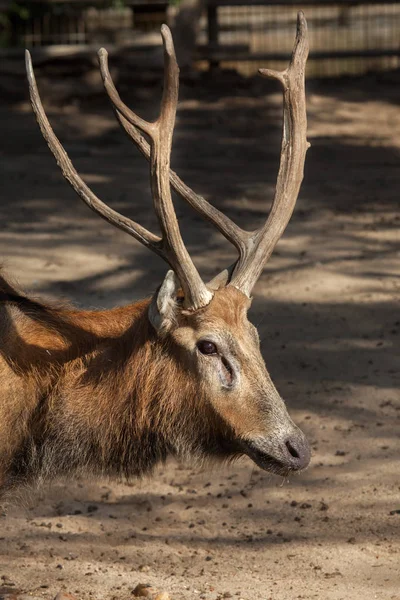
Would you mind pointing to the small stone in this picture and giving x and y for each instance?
(144, 590)
(64, 596)
(144, 568)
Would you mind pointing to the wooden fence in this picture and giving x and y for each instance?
(346, 36)
(31, 23)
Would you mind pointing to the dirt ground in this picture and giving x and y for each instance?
(327, 310)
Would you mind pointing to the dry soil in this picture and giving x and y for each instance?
(327, 307)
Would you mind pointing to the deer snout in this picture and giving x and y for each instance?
(280, 453)
(297, 451)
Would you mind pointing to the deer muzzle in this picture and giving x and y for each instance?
(280, 454)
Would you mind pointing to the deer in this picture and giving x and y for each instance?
(113, 393)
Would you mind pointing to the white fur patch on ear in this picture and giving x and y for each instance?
(163, 305)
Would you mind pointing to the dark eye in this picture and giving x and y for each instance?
(206, 347)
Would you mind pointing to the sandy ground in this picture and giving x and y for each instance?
(327, 310)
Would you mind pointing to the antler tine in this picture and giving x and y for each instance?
(160, 133)
(290, 176)
(84, 192)
(195, 291)
(224, 224)
(129, 115)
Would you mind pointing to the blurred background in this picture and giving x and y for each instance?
(347, 36)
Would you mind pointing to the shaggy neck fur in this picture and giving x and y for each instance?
(94, 393)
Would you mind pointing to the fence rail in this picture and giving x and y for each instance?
(346, 36)
(69, 22)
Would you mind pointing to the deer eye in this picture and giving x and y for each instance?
(206, 347)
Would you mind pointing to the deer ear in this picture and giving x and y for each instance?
(163, 306)
(220, 280)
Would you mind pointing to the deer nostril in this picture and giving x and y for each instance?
(292, 450)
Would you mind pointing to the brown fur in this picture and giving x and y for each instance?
(106, 393)
(93, 392)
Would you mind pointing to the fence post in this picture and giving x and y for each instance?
(212, 30)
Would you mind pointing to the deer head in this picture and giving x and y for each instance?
(206, 325)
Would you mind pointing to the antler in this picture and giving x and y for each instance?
(261, 242)
(224, 224)
(254, 247)
(170, 246)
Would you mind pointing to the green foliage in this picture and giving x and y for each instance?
(19, 10)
